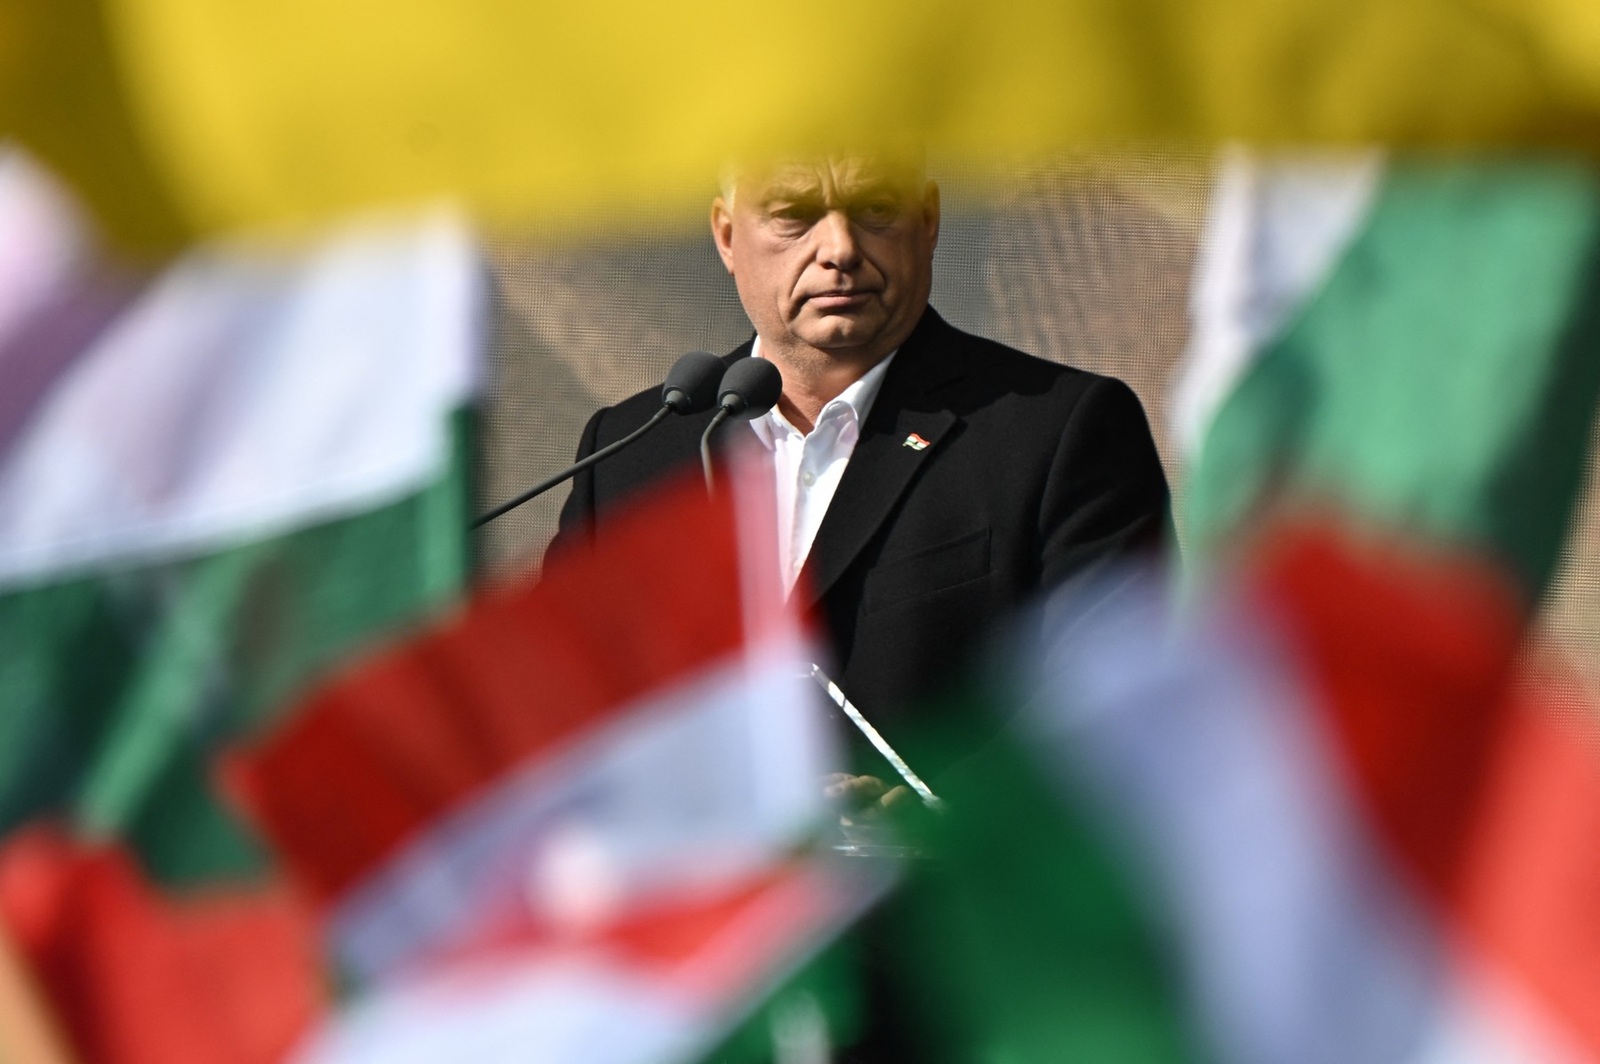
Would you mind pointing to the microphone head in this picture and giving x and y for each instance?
(750, 388)
(691, 384)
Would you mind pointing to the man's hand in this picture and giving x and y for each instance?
(864, 801)
(852, 794)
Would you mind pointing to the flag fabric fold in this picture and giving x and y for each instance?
(214, 481)
(256, 459)
(187, 117)
(1410, 342)
(1313, 814)
(573, 821)
(139, 978)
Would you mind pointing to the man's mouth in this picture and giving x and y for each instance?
(840, 300)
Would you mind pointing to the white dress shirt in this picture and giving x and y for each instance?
(807, 466)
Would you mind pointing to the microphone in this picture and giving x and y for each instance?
(691, 384)
(690, 387)
(749, 389)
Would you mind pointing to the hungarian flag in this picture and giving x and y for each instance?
(573, 821)
(215, 481)
(1321, 806)
(109, 968)
(1409, 340)
(1318, 814)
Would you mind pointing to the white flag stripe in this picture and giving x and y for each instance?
(249, 391)
(1491, 1020)
(540, 1013)
(581, 1002)
(1276, 228)
(1200, 743)
(679, 793)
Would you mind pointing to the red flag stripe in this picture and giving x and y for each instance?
(412, 732)
(1489, 805)
(137, 978)
(1530, 892)
(1410, 653)
(708, 946)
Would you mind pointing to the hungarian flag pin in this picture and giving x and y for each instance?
(916, 443)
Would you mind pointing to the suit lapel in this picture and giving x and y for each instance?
(902, 432)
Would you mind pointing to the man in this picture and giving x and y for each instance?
(929, 482)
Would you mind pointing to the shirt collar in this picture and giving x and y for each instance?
(858, 399)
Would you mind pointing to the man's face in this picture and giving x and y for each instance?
(835, 255)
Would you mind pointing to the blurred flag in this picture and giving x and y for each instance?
(133, 976)
(1412, 341)
(182, 117)
(250, 466)
(571, 822)
(213, 482)
(1314, 819)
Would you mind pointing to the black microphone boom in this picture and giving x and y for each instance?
(749, 389)
(691, 387)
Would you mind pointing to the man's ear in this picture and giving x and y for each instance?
(722, 231)
(930, 212)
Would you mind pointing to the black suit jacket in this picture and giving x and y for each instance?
(1034, 472)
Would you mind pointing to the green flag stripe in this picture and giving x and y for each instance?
(119, 687)
(1027, 938)
(150, 722)
(1443, 380)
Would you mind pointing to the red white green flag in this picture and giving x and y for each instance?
(1319, 810)
(570, 823)
(1410, 339)
(215, 480)
(1313, 815)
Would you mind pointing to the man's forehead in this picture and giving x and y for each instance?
(841, 175)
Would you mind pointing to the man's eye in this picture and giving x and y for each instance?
(794, 214)
(883, 211)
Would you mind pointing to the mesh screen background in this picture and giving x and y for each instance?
(1085, 261)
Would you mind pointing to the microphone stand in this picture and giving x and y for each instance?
(879, 743)
(705, 445)
(749, 388)
(573, 470)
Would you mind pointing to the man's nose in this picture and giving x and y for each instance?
(836, 241)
